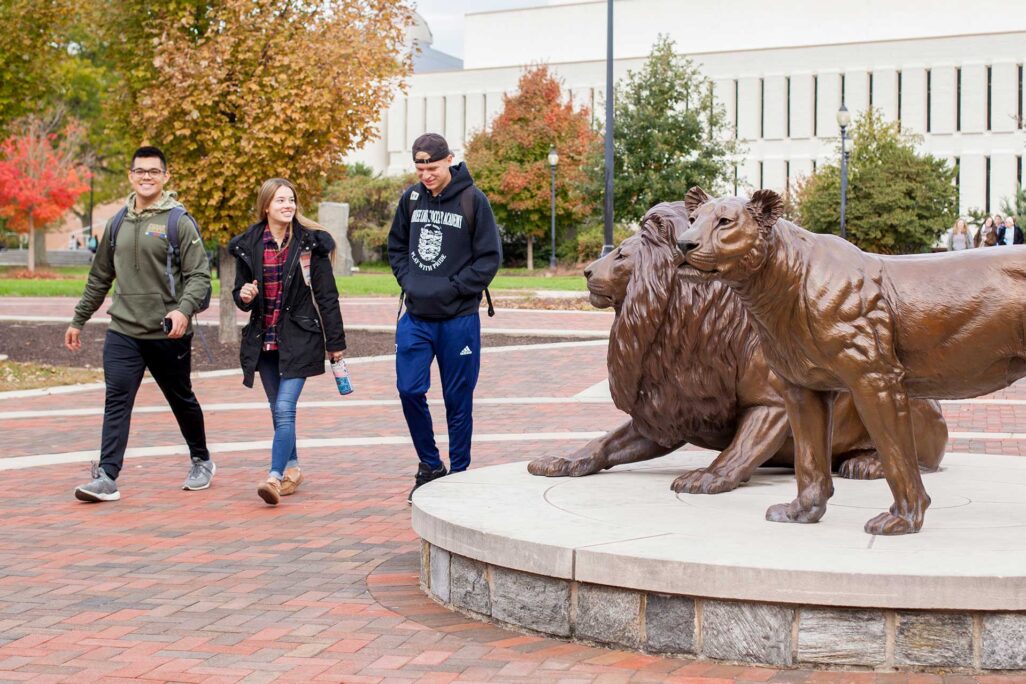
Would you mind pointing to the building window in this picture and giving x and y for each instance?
(787, 88)
(762, 108)
(989, 80)
(870, 88)
(1021, 123)
(986, 185)
(929, 98)
(787, 176)
(958, 99)
(1018, 172)
(899, 100)
(760, 175)
(842, 88)
(814, 167)
(958, 172)
(815, 105)
(737, 90)
(735, 179)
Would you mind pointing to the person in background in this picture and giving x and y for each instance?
(959, 237)
(282, 265)
(149, 322)
(986, 236)
(1009, 233)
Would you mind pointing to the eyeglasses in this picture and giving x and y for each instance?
(147, 173)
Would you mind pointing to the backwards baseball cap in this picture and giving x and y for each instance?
(430, 148)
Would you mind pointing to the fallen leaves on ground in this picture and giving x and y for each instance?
(20, 376)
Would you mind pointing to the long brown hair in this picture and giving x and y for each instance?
(265, 196)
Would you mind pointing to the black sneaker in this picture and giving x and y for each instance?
(425, 475)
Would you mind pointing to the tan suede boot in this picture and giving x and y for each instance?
(290, 483)
(270, 491)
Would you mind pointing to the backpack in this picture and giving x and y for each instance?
(467, 207)
(173, 247)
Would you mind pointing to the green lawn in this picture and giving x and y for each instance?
(378, 281)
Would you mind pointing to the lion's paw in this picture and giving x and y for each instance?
(864, 467)
(794, 512)
(703, 481)
(890, 524)
(561, 466)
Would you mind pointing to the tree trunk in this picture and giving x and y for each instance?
(228, 330)
(32, 245)
(40, 240)
(530, 253)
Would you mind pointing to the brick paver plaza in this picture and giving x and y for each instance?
(215, 586)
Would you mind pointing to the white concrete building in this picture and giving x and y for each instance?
(951, 70)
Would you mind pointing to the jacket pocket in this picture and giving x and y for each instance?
(310, 325)
(140, 312)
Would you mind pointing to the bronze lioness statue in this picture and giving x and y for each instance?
(685, 362)
(887, 329)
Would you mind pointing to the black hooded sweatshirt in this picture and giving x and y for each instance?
(441, 267)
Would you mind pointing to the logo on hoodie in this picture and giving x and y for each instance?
(429, 248)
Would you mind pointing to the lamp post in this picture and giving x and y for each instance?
(607, 200)
(843, 119)
(553, 160)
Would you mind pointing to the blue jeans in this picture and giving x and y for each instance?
(456, 344)
(282, 395)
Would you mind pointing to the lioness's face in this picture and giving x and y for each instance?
(721, 234)
(727, 233)
(608, 277)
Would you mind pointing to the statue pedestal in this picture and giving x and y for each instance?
(618, 558)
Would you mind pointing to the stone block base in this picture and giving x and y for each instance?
(777, 634)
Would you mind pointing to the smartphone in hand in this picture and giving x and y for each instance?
(167, 325)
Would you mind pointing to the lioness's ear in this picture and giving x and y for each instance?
(766, 206)
(695, 198)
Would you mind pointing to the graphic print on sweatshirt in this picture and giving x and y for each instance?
(429, 253)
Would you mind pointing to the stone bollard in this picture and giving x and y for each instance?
(335, 217)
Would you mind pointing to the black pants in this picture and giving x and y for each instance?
(169, 362)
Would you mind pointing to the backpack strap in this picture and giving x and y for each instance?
(467, 205)
(173, 246)
(115, 225)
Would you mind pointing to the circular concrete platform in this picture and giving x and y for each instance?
(619, 558)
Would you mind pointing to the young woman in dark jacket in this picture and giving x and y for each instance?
(282, 264)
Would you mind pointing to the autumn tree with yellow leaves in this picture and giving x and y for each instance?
(245, 90)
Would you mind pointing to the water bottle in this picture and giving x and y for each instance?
(341, 373)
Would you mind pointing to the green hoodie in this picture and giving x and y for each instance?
(142, 294)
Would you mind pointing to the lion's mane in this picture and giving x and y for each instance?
(676, 346)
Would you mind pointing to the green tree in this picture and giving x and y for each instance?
(670, 134)
(33, 45)
(1015, 206)
(372, 198)
(509, 160)
(899, 201)
(245, 90)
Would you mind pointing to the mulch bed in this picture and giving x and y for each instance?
(44, 343)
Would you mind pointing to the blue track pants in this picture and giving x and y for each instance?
(456, 343)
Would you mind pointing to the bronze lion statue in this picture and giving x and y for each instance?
(686, 363)
(886, 329)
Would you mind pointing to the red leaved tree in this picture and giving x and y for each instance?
(509, 160)
(40, 178)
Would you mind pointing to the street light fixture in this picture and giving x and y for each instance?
(553, 161)
(843, 120)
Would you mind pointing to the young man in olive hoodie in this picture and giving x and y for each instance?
(136, 339)
(444, 250)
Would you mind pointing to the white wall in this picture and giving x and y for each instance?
(576, 32)
(893, 74)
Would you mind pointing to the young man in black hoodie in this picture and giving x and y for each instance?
(444, 250)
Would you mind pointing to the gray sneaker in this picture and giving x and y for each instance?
(200, 475)
(102, 488)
